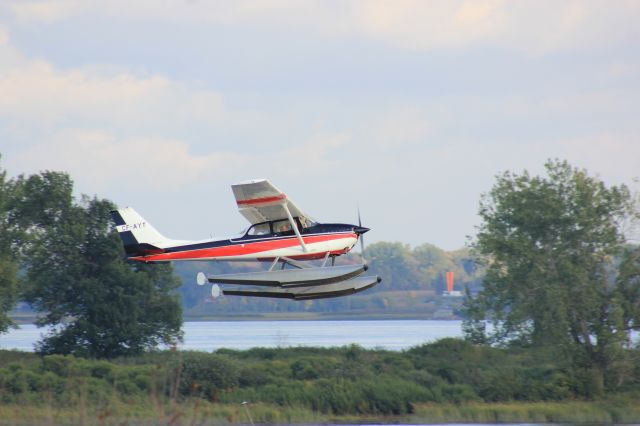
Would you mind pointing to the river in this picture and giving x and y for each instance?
(211, 335)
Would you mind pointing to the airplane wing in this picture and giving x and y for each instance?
(260, 201)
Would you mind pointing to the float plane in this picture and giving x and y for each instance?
(279, 233)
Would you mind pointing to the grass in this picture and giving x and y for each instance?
(190, 412)
(535, 412)
(199, 412)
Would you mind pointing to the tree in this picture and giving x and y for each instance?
(77, 279)
(628, 287)
(395, 263)
(8, 258)
(548, 245)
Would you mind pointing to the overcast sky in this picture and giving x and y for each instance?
(407, 108)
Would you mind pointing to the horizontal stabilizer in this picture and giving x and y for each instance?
(343, 288)
(292, 277)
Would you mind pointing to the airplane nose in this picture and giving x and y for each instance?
(359, 230)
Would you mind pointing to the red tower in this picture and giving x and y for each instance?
(449, 277)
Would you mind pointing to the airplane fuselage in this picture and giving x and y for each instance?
(263, 242)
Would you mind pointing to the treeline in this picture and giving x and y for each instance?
(412, 280)
(332, 381)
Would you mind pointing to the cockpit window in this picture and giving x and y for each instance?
(281, 226)
(260, 229)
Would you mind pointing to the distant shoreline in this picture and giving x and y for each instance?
(304, 316)
(284, 316)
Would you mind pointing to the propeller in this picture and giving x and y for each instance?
(360, 230)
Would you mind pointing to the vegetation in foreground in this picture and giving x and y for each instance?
(450, 380)
(208, 413)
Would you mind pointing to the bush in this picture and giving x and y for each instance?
(60, 365)
(336, 381)
(203, 374)
(253, 376)
(303, 369)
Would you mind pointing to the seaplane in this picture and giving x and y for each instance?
(279, 233)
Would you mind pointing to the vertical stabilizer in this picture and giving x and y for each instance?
(138, 236)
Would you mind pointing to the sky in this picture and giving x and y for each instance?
(405, 108)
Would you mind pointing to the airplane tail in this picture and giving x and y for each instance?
(138, 236)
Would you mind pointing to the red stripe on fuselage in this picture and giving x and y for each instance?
(312, 256)
(242, 249)
(261, 200)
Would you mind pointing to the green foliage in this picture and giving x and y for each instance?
(333, 381)
(548, 244)
(396, 265)
(304, 369)
(8, 291)
(8, 249)
(77, 278)
(205, 375)
(628, 288)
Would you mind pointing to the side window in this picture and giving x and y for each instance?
(260, 229)
(281, 226)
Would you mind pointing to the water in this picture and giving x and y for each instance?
(393, 335)
(211, 335)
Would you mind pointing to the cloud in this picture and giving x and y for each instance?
(45, 10)
(320, 155)
(100, 160)
(538, 26)
(423, 133)
(534, 26)
(104, 127)
(34, 92)
(421, 25)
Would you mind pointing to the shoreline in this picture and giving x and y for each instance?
(285, 316)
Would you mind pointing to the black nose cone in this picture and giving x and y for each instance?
(359, 230)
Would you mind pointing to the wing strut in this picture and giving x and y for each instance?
(295, 227)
